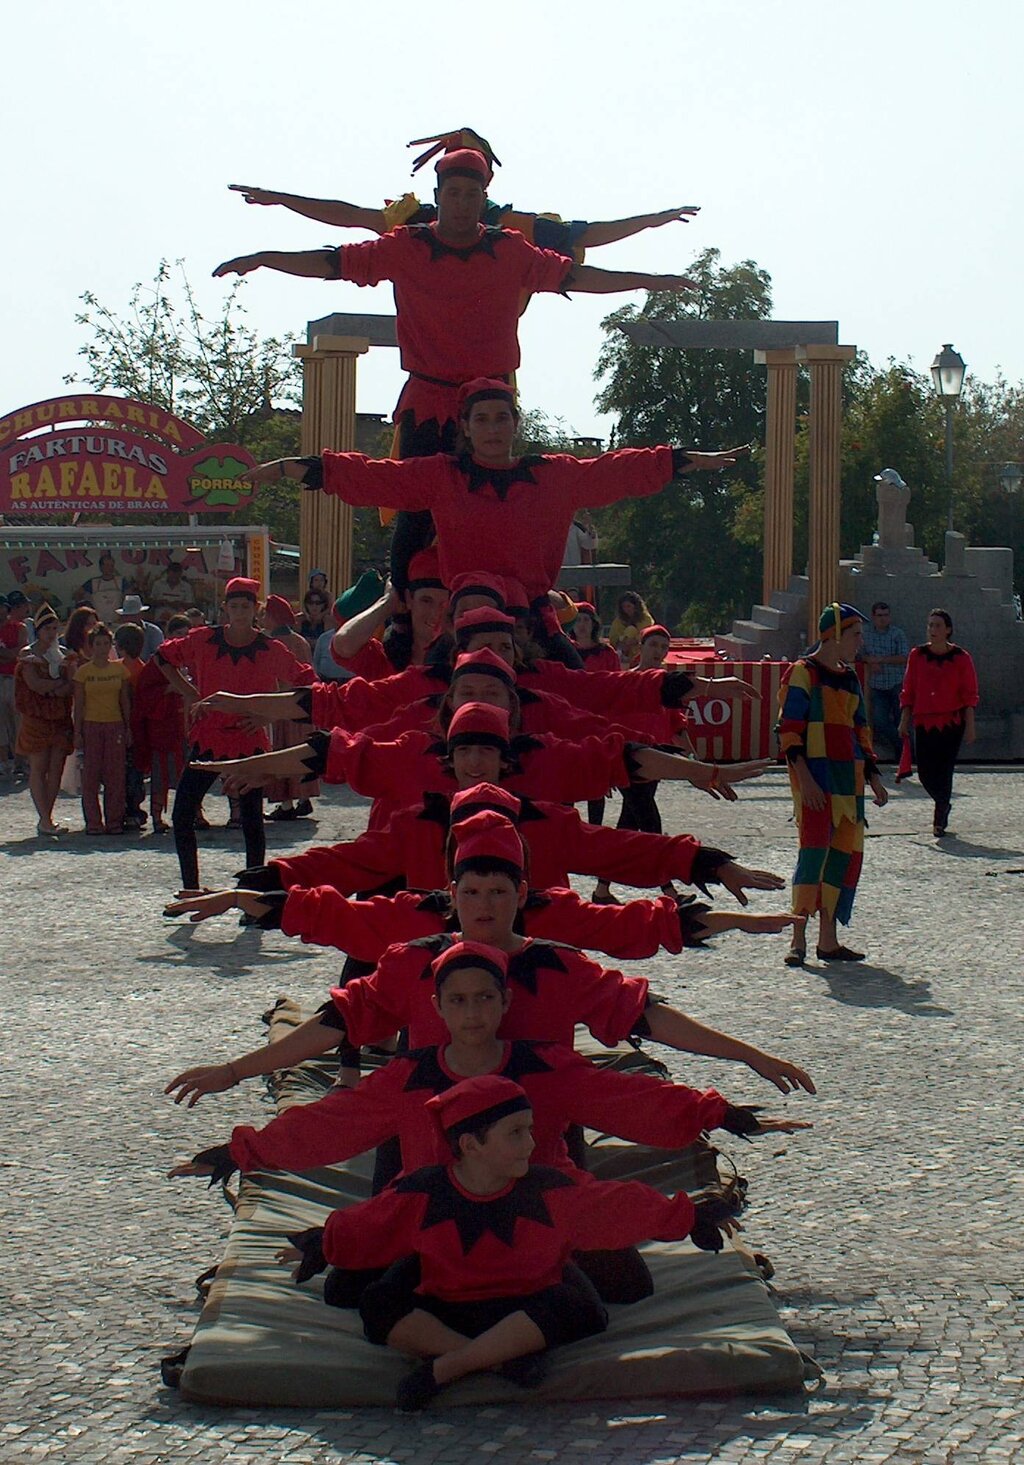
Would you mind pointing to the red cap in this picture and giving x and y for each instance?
(485, 389)
(280, 609)
(239, 585)
(475, 1103)
(478, 582)
(469, 801)
(475, 722)
(484, 663)
(425, 570)
(466, 955)
(516, 598)
(654, 631)
(487, 836)
(480, 621)
(463, 163)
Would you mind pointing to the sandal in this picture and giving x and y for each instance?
(282, 813)
(839, 953)
(608, 899)
(795, 956)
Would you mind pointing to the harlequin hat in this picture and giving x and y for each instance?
(425, 570)
(239, 585)
(470, 801)
(485, 389)
(478, 582)
(476, 723)
(838, 613)
(464, 163)
(44, 616)
(280, 609)
(476, 1103)
(484, 663)
(461, 137)
(654, 631)
(470, 956)
(488, 836)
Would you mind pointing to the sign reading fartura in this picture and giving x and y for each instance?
(129, 457)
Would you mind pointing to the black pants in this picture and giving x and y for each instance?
(937, 748)
(639, 808)
(193, 786)
(595, 811)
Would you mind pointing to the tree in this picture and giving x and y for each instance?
(219, 374)
(691, 546)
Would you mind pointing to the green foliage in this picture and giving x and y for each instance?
(695, 548)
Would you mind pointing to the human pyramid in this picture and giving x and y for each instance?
(486, 1242)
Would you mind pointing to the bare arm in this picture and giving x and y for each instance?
(355, 633)
(308, 1041)
(712, 778)
(178, 683)
(676, 1030)
(77, 713)
(314, 264)
(587, 279)
(265, 706)
(614, 229)
(41, 681)
(335, 212)
(125, 700)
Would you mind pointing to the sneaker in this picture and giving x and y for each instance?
(201, 822)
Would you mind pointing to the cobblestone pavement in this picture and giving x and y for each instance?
(893, 1225)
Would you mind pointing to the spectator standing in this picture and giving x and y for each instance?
(42, 692)
(128, 644)
(940, 693)
(106, 591)
(315, 605)
(631, 617)
(131, 614)
(581, 542)
(885, 655)
(102, 733)
(293, 798)
(13, 639)
(159, 746)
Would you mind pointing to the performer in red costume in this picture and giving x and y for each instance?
(555, 986)
(458, 295)
(493, 1235)
(414, 630)
(477, 746)
(471, 995)
(516, 511)
(233, 658)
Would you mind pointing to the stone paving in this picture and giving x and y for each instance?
(893, 1225)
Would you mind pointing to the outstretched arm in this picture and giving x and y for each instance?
(614, 229)
(350, 638)
(587, 279)
(676, 1030)
(315, 264)
(308, 1041)
(335, 212)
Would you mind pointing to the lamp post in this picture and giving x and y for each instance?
(948, 370)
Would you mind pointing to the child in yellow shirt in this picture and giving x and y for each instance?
(102, 735)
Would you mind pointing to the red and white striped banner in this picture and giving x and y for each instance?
(731, 730)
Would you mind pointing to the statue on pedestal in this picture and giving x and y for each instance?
(893, 497)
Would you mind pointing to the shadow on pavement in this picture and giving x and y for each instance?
(861, 985)
(963, 849)
(235, 958)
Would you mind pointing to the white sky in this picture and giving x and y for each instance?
(865, 152)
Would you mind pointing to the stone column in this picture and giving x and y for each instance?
(328, 421)
(780, 434)
(826, 365)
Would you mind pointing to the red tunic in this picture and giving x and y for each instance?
(509, 1244)
(458, 309)
(410, 847)
(938, 688)
(563, 1089)
(600, 658)
(216, 666)
(370, 661)
(158, 718)
(364, 929)
(506, 521)
(553, 987)
(398, 772)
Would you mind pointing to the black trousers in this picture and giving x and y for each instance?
(936, 749)
(193, 786)
(640, 809)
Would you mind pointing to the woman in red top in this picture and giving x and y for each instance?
(940, 693)
(235, 658)
(159, 746)
(596, 653)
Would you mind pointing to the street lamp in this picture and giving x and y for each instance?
(1010, 475)
(948, 380)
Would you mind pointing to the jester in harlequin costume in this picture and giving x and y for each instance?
(824, 737)
(471, 994)
(236, 658)
(555, 986)
(492, 509)
(492, 1285)
(458, 293)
